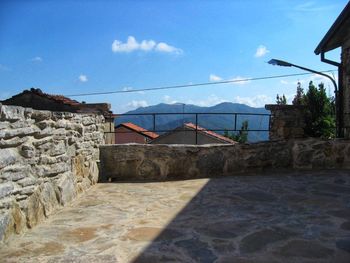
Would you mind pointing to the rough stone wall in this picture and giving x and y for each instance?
(287, 121)
(346, 88)
(163, 162)
(46, 159)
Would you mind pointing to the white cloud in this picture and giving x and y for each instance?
(145, 45)
(236, 80)
(37, 59)
(255, 101)
(164, 47)
(131, 89)
(240, 80)
(83, 78)
(293, 83)
(213, 77)
(315, 78)
(137, 104)
(261, 51)
(127, 89)
(167, 99)
(209, 101)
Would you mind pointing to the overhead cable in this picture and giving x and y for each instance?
(191, 85)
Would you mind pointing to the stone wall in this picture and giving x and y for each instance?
(345, 57)
(163, 162)
(46, 159)
(287, 121)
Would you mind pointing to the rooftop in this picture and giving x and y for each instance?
(138, 129)
(57, 98)
(337, 34)
(297, 217)
(210, 133)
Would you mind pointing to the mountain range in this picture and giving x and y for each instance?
(218, 118)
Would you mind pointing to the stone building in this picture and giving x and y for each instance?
(338, 36)
(188, 134)
(38, 100)
(131, 133)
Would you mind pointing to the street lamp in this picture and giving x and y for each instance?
(277, 62)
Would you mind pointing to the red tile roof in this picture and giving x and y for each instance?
(57, 98)
(139, 129)
(210, 133)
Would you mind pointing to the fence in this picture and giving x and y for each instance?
(164, 123)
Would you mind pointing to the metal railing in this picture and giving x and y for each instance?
(197, 119)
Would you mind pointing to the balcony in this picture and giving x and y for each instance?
(277, 217)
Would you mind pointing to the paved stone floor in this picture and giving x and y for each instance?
(301, 217)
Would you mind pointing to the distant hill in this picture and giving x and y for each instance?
(215, 121)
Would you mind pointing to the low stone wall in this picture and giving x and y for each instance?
(46, 159)
(287, 121)
(163, 162)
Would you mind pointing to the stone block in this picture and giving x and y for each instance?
(21, 124)
(27, 151)
(40, 142)
(28, 131)
(34, 209)
(4, 125)
(59, 134)
(11, 113)
(12, 176)
(6, 203)
(93, 172)
(66, 188)
(29, 180)
(6, 189)
(52, 169)
(58, 148)
(40, 115)
(39, 134)
(19, 219)
(27, 190)
(88, 120)
(13, 142)
(5, 221)
(48, 195)
(45, 124)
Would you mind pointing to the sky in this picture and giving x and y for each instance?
(74, 47)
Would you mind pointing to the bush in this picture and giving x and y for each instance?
(319, 112)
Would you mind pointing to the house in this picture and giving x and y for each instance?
(131, 133)
(338, 36)
(188, 134)
(36, 99)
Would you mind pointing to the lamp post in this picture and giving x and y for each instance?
(277, 62)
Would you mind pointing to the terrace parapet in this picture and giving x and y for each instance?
(287, 121)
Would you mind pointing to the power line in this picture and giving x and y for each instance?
(192, 85)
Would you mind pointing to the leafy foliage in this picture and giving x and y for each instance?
(281, 100)
(241, 136)
(319, 112)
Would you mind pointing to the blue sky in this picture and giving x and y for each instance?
(71, 47)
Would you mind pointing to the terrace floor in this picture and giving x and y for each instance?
(296, 217)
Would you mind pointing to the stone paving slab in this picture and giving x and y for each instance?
(295, 217)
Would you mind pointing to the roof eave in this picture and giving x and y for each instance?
(322, 46)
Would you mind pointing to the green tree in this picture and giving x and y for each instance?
(241, 136)
(300, 96)
(319, 111)
(281, 100)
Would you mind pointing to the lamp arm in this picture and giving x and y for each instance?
(319, 73)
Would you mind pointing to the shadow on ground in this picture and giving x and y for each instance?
(258, 219)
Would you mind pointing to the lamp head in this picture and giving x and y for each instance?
(277, 62)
